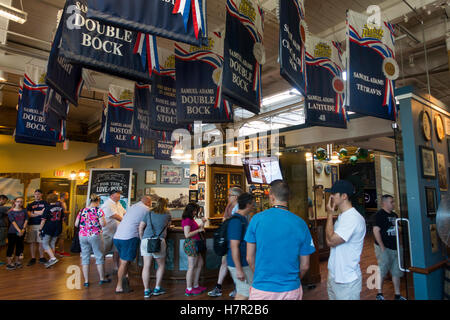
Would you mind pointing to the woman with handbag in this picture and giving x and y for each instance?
(90, 221)
(193, 247)
(153, 233)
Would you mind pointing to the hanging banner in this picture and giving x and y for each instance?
(324, 103)
(243, 54)
(179, 20)
(199, 83)
(102, 144)
(103, 181)
(63, 76)
(119, 120)
(95, 45)
(56, 110)
(372, 68)
(30, 126)
(293, 32)
(163, 150)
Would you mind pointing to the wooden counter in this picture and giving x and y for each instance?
(176, 259)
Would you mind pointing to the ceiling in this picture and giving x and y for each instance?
(31, 42)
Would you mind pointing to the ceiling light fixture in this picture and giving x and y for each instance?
(13, 14)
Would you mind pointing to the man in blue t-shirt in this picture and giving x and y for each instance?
(238, 266)
(278, 247)
(35, 211)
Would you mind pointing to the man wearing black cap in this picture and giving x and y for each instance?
(114, 213)
(346, 240)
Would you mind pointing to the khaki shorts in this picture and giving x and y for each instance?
(388, 262)
(32, 235)
(157, 255)
(242, 287)
(344, 291)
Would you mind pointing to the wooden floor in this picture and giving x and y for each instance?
(38, 283)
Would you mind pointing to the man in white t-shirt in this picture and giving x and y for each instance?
(114, 213)
(346, 241)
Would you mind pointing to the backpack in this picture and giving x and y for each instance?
(220, 237)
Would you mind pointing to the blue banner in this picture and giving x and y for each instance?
(63, 76)
(164, 103)
(163, 150)
(243, 54)
(324, 102)
(30, 126)
(372, 68)
(102, 143)
(105, 48)
(292, 43)
(180, 20)
(56, 110)
(199, 83)
(119, 120)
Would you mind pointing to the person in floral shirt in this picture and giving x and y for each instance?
(90, 221)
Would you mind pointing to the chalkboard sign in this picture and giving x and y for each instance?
(102, 181)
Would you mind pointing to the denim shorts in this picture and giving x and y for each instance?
(127, 248)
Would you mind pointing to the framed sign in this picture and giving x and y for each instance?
(150, 176)
(430, 196)
(201, 192)
(193, 196)
(425, 124)
(442, 172)
(427, 156)
(202, 173)
(102, 181)
(171, 174)
(439, 125)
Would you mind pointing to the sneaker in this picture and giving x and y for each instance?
(380, 297)
(51, 262)
(19, 266)
(232, 294)
(192, 292)
(86, 284)
(200, 289)
(400, 298)
(158, 292)
(10, 267)
(31, 262)
(42, 261)
(216, 292)
(147, 293)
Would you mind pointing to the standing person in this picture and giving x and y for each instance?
(114, 213)
(154, 224)
(51, 227)
(346, 241)
(126, 240)
(240, 271)
(35, 211)
(278, 247)
(90, 221)
(386, 245)
(18, 219)
(3, 222)
(231, 208)
(195, 260)
(63, 200)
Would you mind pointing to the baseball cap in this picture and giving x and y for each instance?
(342, 186)
(114, 191)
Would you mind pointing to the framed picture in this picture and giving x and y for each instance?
(442, 172)
(425, 124)
(187, 173)
(201, 192)
(430, 195)
(248, 146)
(193, 196)
(171, 174)
(439, 126)
(150, 176)
(133, 186)
(202, 173)
(427, 156)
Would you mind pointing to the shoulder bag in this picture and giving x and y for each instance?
(154, 243)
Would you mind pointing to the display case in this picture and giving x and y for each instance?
(221, 179)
